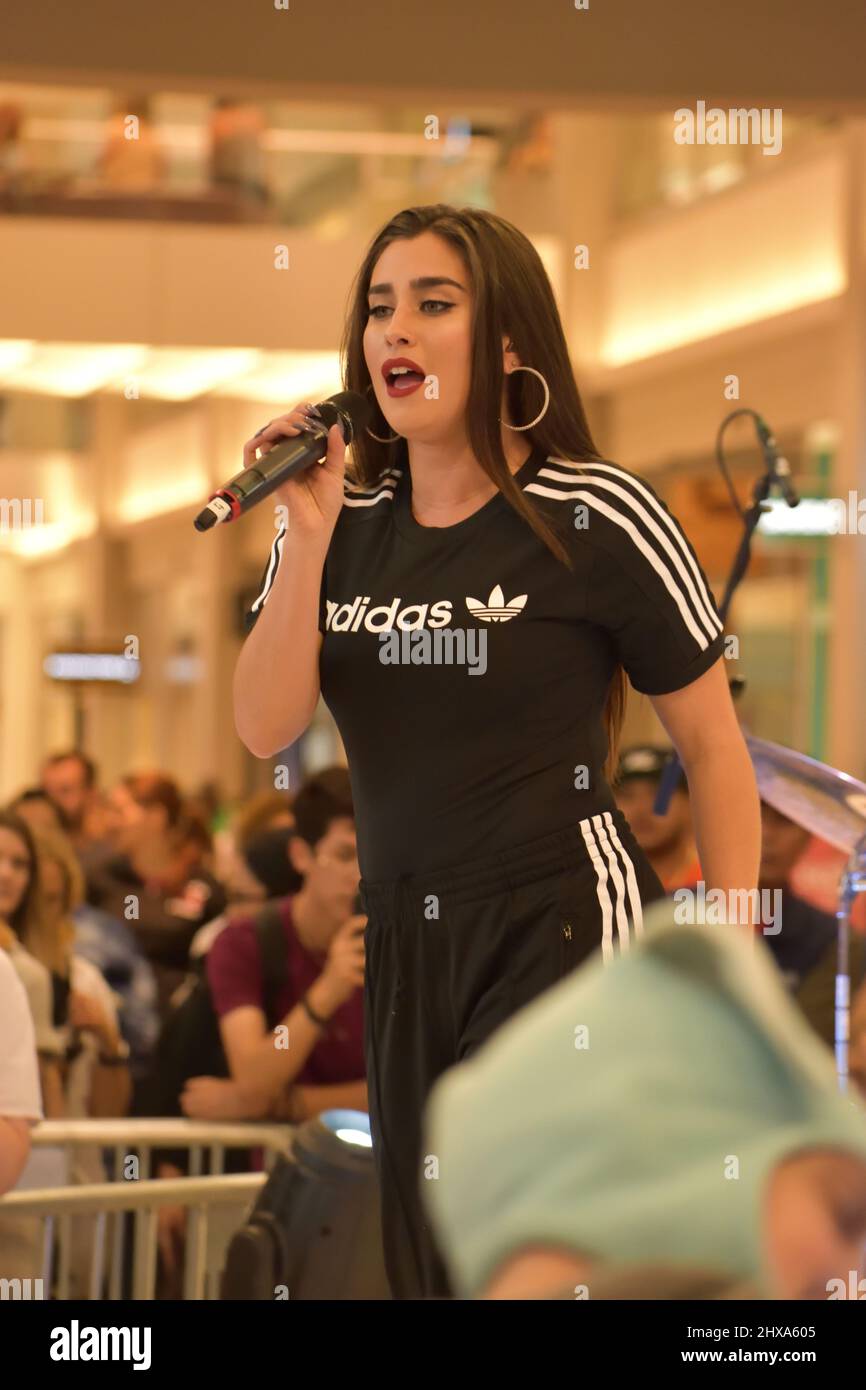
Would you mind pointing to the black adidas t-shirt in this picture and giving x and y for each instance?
(475, 725)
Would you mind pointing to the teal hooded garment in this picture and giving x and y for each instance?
(634, 1112)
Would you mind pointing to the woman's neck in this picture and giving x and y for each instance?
(448, 482)
(48, 946)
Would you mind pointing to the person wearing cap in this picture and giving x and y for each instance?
(569, 1153)
(668, 840)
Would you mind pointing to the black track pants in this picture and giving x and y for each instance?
(449, 957)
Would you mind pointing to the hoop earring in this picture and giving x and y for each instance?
(378, 438)
(543, 412)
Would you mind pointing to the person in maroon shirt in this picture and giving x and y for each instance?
(313, 1060)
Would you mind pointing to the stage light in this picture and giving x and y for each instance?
(314, 1232)
(352, 1126)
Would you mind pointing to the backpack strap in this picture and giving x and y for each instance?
(274, 955)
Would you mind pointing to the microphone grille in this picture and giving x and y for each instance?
(352, 406)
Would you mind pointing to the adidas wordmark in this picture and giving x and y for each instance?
(349, 617)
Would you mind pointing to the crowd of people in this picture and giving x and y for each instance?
(125, 912)
(153, 946)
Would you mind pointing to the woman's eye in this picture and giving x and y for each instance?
(375, 311)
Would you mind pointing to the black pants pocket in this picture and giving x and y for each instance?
(577, 934)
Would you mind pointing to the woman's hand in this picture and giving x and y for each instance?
(314, 496)
(88, 1016)
(216, 1098)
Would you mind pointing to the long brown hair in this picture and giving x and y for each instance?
(47, 940)
(511, 295)
(52, 940)
(22, 921)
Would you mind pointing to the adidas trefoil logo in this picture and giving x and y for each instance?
(496, 610)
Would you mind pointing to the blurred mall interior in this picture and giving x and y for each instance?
(147, 331)
(186, 195)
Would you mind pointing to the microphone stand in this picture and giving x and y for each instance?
(777, 474)
(853, 881)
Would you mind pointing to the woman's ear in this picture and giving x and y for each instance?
(510, 359)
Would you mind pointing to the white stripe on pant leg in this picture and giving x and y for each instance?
(633, 893)
(616, 875)
(601, 889)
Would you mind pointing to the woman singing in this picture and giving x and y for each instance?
(468, 600)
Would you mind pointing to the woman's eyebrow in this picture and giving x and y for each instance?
(424, 282)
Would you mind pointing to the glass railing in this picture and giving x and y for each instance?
(97, 154)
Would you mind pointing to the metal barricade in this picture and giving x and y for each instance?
(202, 1197)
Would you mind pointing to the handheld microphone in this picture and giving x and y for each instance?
(348, 409)
(778, 467)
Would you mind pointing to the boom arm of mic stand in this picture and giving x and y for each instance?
(672, 772)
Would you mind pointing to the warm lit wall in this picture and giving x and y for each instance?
(156, 580)
(788, 376)
(172, 284)
(760, 249)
